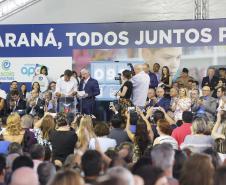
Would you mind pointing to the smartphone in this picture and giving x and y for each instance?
(131, 109)
(133, 128)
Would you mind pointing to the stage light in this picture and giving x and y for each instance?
(9, 7)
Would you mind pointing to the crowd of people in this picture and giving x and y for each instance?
(162, 131)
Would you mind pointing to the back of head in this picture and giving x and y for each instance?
(101, 129)
(197, 170)
(157, 115)
(106, 180)
(187, 117)
(15, 148)
(2, 164)
(24, 176)
(220, 176)
(68, 72)
(138, 68)
(92, 163)
(22, 161)
(199, 126)
(149, 174)
(162, 156)
(61, 119)
(116, 121)
(121, 173)
(27, 121)
(66, 177)
(164, 126)
(37, 151)
(45, 172)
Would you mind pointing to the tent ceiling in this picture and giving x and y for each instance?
(89, 11)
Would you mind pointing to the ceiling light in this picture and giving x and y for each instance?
(9, 7)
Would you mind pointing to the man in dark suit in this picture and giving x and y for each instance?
(35, 104)
(210, 80)
(15, 103)
(91, 88)
(161, 101)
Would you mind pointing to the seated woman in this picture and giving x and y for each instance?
(199, 140)
(183, 103)
(13, 131)
(63, 140)
(164, 130)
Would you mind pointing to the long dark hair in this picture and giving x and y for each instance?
(168, 73)
(141, 136)
(44, 67)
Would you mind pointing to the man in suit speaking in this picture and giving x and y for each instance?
(90, 88)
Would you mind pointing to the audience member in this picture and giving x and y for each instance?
(198, 141)
(184, 78)
(202, 170)
(153, 78)
(92, 166)
(162, 156)
(183, 103)
(206, 105)
(181, 132)
(102, 130)
(117, 132)
(210, 80)
(24, 176)
(63, 140)
(45, 171)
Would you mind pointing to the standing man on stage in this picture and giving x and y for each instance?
(66, 89)
(90, 88)
(141, 82)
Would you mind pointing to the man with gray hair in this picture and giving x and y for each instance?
(163, 157)
(141, 82)
(123, 174)
(90, 89)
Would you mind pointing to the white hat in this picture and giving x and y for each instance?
(2, 94)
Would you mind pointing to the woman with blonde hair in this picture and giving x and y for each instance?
(183, 103)
(14, 131)
(67, 177)
(85, 132)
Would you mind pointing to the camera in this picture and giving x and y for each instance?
(118, 77)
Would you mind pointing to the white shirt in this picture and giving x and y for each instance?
(66, 87)
(104, 142)
(141, 83)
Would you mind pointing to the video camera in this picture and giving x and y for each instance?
(119, 74)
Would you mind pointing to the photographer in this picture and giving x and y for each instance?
(125, 92)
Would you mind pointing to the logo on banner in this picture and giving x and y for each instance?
(6, 65)
(6, 74)
(28, 69)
